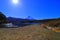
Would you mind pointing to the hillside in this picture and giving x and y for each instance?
(55, 22)
(32, 32)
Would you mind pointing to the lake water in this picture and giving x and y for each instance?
(19, 25)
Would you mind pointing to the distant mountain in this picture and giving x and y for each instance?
(14, 19)
(30, 18)
(19, 21)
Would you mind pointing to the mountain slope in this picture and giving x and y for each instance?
(30, 18)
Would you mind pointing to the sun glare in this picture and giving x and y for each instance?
(15, 1)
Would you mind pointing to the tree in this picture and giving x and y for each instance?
(2, 19)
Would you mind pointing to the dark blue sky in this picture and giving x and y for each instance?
(38, 9)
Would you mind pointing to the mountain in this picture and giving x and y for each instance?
(14, 19)
(30, 18)
(19, 21)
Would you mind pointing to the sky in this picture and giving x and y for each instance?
(37, 9)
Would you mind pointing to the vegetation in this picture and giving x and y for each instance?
(2, 20)
(32, 32)
(54, 23)
(50, 22)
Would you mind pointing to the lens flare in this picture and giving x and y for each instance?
(15, 1)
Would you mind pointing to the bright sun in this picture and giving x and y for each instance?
(15, 1)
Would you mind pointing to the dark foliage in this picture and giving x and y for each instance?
(2, 20)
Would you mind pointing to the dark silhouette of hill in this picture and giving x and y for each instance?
(46, 20)
(55, 22)
(2, 20)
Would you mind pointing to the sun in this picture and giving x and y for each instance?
(15, 1)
